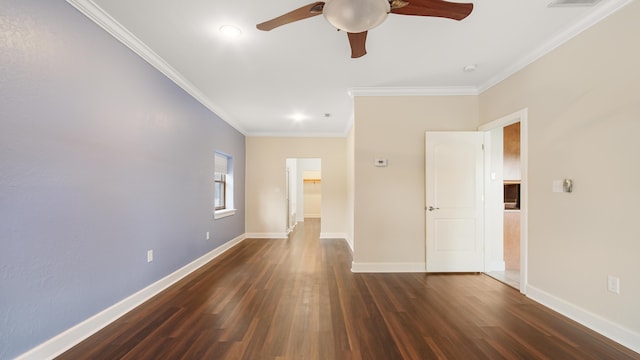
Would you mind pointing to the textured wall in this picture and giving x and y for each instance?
(101, 158)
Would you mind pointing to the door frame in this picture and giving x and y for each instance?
(295, 179)
(522, 117)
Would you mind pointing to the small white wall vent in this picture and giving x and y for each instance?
(564, 3)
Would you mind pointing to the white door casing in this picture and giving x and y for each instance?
(522, 117)
(454, 208)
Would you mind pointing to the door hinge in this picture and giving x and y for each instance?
(482, 147)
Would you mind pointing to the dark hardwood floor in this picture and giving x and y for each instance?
(297, 299)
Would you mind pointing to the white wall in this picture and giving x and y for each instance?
(265, 200)
(350, 184)
(292, 171)
(494, 201)
(389, 219)
(584, 120)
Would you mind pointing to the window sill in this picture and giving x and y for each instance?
(219, 214)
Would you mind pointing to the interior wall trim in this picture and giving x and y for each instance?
(418, 267)
(349, 241)
(96, 14)
(76, 334)
(613, 331)
(414, 91)
(326, 235)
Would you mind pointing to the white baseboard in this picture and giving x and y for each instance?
(349, 241)
(333, 236)
(613, 331)
(387, 267)
(343, 236)
(71, 337)
(266, 235)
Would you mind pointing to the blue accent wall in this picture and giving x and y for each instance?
(101, 158)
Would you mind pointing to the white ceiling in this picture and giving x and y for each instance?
(259, 81)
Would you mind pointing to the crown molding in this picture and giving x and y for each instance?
(295, 134)
(414, 91)
(96, 14)
(603, 11)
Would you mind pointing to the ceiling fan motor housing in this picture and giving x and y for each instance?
(356, 16)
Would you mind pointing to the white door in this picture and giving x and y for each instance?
(454, 213)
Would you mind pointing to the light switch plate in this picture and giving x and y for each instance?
(613, 284)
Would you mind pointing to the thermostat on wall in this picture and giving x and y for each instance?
(381, 162)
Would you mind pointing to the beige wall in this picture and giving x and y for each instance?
(312, 199)
(389, 219)
(584, 122)
(265, 182)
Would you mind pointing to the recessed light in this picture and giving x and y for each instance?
(230, 31)
(470, 68)
(298, 117)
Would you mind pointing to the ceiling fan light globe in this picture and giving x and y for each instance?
(356, 16)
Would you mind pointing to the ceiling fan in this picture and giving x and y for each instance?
(357, 17)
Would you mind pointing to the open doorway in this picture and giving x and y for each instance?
(505, 172)
(304, 190)
(505, 204)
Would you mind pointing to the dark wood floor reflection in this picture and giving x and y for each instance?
(297, 299)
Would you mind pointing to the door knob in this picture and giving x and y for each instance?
(431, 208)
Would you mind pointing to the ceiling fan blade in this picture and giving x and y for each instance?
(302, 13)
(437, 8)
(357, 42)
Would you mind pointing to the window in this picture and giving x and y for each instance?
(220, 188)
(223, 186)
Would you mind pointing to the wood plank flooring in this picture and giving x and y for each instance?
(297, 299)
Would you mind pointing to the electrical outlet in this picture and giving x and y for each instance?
(613, 284)
(149, 256)
(207, 235)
